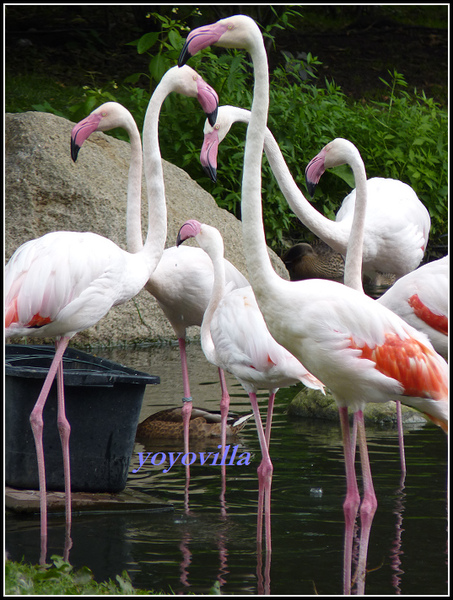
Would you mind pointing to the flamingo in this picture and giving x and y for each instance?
(428, 315)
(421, 299)
(65, 281)
(357, 347)
(397, 224)
(235, 338)
(183, 279)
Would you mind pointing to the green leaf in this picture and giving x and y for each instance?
(147, 41)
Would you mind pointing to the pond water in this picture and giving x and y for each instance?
(202, 543)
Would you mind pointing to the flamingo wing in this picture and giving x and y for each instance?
(64, 282)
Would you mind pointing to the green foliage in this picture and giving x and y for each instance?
(60, 578)
(401, 134)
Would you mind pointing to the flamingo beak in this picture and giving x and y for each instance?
(190, 229)
(314, 171)
(201, 38)
(208, 154)
(82, 131)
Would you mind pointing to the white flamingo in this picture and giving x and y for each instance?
(428, 313)
(357, 347)
(397, 224)
(64, 282)
(235, 338)
(421, 299)
(183, 279)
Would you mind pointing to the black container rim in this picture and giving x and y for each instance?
(108, 372)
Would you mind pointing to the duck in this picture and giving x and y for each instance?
(314, 261)
(204, 424)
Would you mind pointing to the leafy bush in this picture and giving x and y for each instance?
(403, 135)
(61, 579)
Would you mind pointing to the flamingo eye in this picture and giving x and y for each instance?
(217, 126)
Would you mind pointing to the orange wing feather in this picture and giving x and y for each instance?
(409, 362)
(438, 322)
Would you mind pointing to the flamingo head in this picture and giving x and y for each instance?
(105, 117)
(188, 82)
(233, 32)
(213, 136)
(207, 237)
(314, 171)
(337, 152)
(189, 230)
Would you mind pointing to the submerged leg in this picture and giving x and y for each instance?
(265, 470)
(187, 400)
(352, 500)
(368, 506)
(399, 422)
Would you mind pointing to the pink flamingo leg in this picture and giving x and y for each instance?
(187, 400)
(264, 479)
(270, 412)
(368, 506)
(64, 429)
(352, 500)
(224, 407)
(399, 421)
(37, 425)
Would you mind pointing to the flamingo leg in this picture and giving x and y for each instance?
(224, 408)
(399, 422)
(64, 429)
(187, 400)
(270, 412)
(37, 425)
(265, 470)
(352, 500)
(369, 503)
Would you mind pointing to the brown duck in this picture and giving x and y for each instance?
(203, 424)
(317, 261)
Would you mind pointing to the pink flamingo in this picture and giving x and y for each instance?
(397, 224)
(357, 347)
(428, 313)
(64, 282)
(183, 279)
(421, 299)
(235, 338)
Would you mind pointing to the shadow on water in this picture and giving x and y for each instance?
(181, 551)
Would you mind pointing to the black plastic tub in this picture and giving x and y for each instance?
(103, 402)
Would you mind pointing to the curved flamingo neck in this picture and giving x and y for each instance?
(354, 253)
(331, 232)
(258, 262)
(213, 246)
(134, 191)
(154, 175)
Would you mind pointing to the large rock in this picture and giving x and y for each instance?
(46, 191)
(312, 404)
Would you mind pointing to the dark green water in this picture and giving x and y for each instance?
(190, 550)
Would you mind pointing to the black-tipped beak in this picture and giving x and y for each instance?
(211, 172)
(311, 187)
(74, 150)
(212, 117)
(184, 56)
